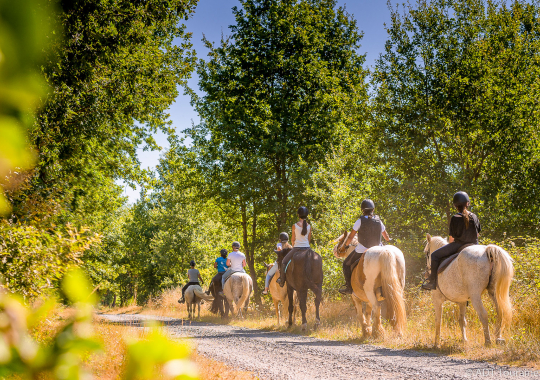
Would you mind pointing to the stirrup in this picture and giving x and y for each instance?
(429, 285)
(346, 289)
(280, 282)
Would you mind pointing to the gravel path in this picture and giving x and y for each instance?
(275, 355)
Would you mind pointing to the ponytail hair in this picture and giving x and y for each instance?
(463, 210)
(304, 227)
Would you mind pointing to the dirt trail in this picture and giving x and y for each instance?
(275, 355)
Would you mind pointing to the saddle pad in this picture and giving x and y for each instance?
(446, 262)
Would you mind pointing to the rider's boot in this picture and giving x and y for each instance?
(432, 282)
(181, 300)
(265, 291)
(347, 273)
(280, 282)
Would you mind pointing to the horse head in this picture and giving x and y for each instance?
(432, 243)
(339, 249)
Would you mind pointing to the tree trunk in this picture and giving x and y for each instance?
(250, 256)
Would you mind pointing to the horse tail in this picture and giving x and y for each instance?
(246, 291)
(310, 257)
(214, 309)
(392, 289)
(502, 273)
(199, 293)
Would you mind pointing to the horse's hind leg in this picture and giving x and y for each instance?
(318, 297)
(276, 306)
(438, 300)
(199, 310)
(498, 326)
(290, 295)
(463, 320)
(476, 300)
(302, 297)
(370, 293)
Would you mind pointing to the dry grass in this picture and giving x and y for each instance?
(109, 365)
(339, 323)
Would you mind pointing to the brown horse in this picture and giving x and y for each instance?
(304, 272)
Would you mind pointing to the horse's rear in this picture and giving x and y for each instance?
(477, 268)
(238, 289)
(305, 273)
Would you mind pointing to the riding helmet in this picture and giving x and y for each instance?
(224, 253)
(283, 237)
(192, 263)
(236, 244)
(367, 204)
(461, 198)
(303, 212)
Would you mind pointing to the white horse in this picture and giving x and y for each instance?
(475, 269)
(194, 295)
(381, 267)
(237, 290)
(279, 294)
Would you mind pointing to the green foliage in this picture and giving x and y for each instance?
(64, 356)
(456, 109)
(33, 259)
(22, 38)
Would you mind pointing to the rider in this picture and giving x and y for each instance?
(369, 228)
(301, 236)
(464, 229)
(283, 244)
(221, 265)
(193, 276)
(236, 261)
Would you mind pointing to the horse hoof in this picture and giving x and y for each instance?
(500, 342)
(304, 326)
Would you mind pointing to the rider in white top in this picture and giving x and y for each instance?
(283, 243)
(236, 261)
(301, 236)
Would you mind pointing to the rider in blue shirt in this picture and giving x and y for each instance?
(221, 265)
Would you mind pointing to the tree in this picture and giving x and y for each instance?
(112, 77)
(287, 84)
(457, 103)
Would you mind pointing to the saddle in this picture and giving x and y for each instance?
(446, 262)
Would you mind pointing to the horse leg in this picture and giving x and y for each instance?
(476, 300)
(463, 320)
(370, 293)
(302, 296)
(498, 326)
(199, 310)
(290, 293)
(276, 306)
(358, 304)
(318, 298)
(438, 300)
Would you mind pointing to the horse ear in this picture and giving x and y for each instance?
(428, 238)
(345, 233)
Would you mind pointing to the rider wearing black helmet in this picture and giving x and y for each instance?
(193, 279)
(301, 236)
(283, 244)
(464, 229)
(370, 228)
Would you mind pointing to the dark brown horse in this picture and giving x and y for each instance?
(220, 304)
(304, 272)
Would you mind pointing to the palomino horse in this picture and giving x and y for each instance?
(237, 290)
(475, 269)
(304, 272)
(379, 267)
(279, 294)
(194, 295)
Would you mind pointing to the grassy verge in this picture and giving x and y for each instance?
(339, 322)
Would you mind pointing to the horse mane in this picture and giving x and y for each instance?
(437, 241)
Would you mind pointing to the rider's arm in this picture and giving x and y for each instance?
(450, 239)
(309, 236)
(385, 235)
(293, 238)
(351, 236)
(244, 263)
(228, 263)
(200, 278)
(215, 264)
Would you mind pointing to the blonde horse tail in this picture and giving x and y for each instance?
(502, 273)
(199, 293)
(246, 290)
(392, 289)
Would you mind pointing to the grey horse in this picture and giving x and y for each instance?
(476, 269)
(194, 295)
(237, 290)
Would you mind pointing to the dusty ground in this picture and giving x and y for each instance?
(275, 355)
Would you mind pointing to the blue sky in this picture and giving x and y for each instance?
(213, 17)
